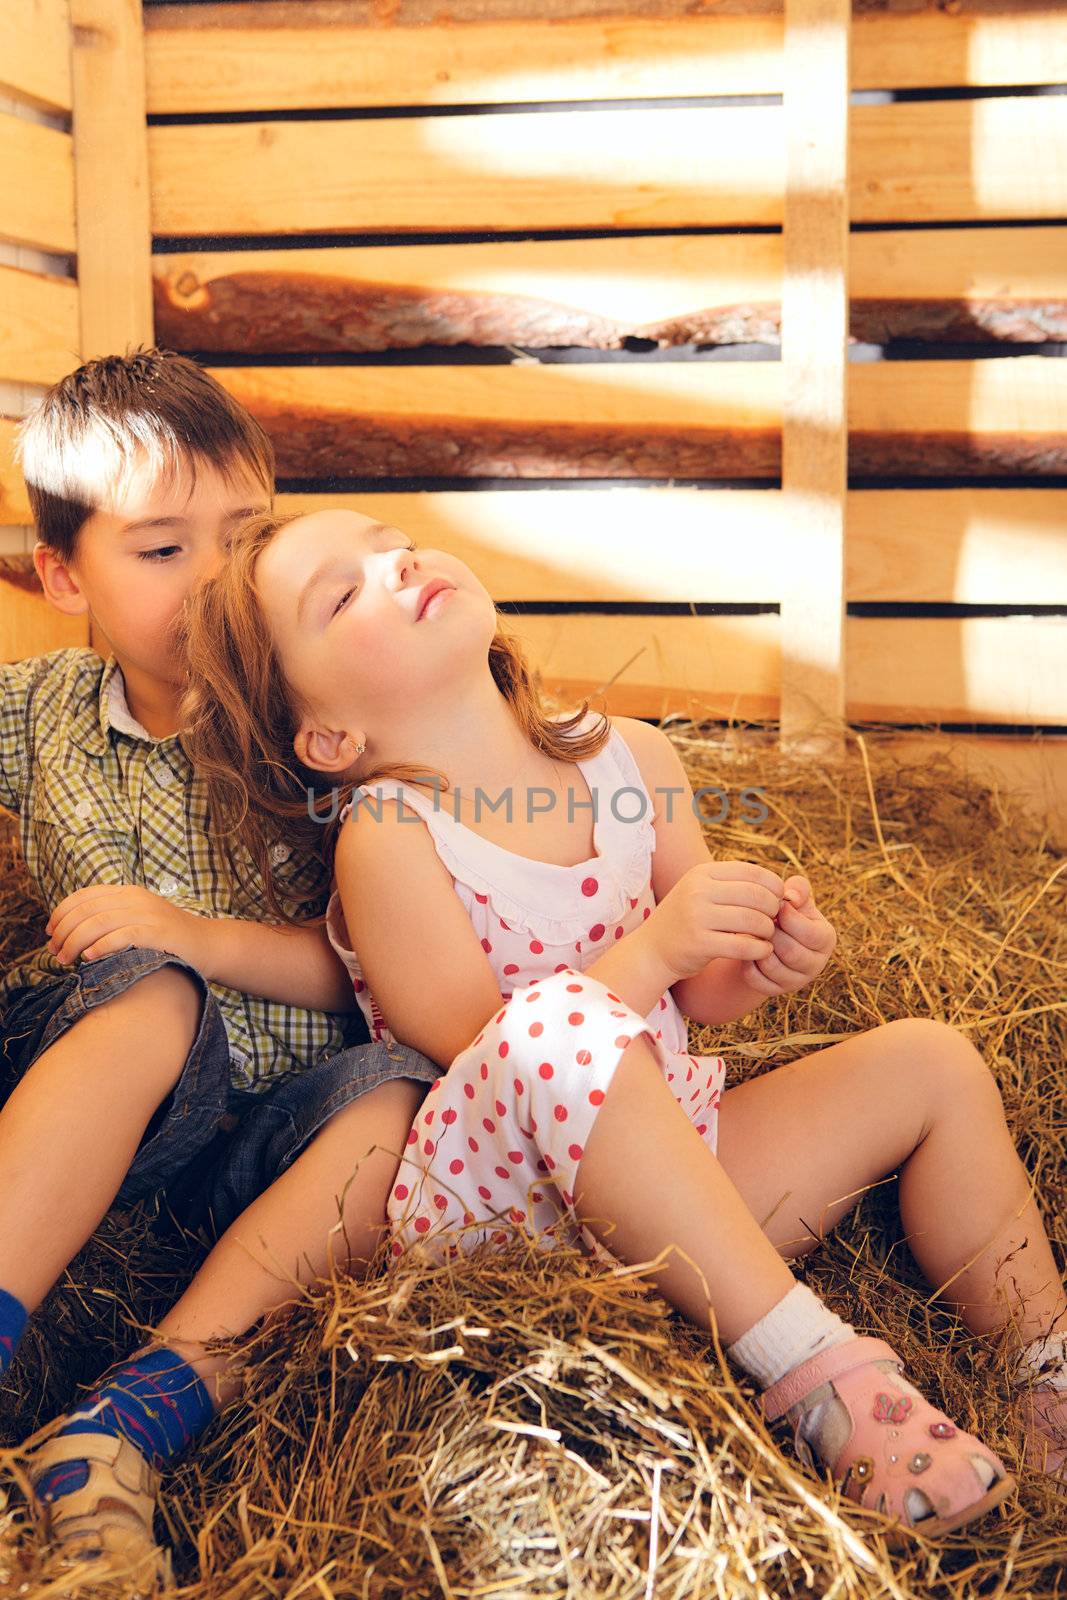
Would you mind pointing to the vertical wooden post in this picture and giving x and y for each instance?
(111, 176)
(815, 375)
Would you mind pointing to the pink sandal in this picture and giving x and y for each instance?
(1044, 1414)
(895, 1439)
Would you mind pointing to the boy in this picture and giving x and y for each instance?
(161, 1005)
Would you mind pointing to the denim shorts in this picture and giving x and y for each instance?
(210, 1148)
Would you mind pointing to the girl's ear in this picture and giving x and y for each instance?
(327, 749)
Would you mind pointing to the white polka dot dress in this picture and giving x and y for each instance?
(501, 1134)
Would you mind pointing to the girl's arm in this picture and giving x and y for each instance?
(718, 994)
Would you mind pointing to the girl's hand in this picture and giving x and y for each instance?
(718, 908)
(95, 921)
(803, 942)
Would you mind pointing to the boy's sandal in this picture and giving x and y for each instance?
(110, 1516)
(902, 1457)
(1044, 1415)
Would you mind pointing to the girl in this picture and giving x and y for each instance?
(566, 938)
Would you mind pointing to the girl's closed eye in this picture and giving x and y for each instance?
(349, 592)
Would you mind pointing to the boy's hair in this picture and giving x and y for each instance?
(239, 716)
(97, 423)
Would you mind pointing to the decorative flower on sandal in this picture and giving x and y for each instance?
(891, 1407)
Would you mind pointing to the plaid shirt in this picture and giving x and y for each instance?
(102, 801)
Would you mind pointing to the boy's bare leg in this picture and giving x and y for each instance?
(291, 1231)
(71, 1127)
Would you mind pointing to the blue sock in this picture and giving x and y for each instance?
(156, 1401)
(12, 1322)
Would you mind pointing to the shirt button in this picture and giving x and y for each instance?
(279, 853)
(167, 884)
(83, 809)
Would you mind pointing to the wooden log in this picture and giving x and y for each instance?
(619, 169)
(248, 57)
(38, 326)
(973, 284)
(665, 420)
(37, 195)
(35, 60)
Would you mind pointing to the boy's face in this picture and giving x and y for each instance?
(139, 557)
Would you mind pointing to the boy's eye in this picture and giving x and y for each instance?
(157, 555)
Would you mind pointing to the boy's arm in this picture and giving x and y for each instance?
(15, 680)
(718, 994)
(422, 960)
(297, 966)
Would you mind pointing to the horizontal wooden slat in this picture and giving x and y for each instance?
(981, 669)
(28, 624)
(898, 669)
(995, 158)
(14, 505)
(968, 283)
(38, 326)
(681, 419)
(37, 194)
(302, 56)
(35, 60)
(957, 546)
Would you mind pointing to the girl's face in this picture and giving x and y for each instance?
(345, 598)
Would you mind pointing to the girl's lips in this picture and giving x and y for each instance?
(441, 594)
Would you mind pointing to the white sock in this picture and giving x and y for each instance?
(794, 1330)
(1044, 1359)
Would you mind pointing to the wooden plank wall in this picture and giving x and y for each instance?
(488, 275)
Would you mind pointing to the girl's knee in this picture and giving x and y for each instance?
(944, 1055)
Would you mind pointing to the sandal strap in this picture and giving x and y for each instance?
(823, 1368)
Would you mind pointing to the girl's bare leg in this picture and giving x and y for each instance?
(915, 1096)
(291, 1230)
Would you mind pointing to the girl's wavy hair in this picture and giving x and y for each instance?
(240, 714)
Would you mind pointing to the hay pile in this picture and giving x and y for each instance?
(519, 1424)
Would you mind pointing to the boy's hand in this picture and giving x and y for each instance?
(95, 921)
(803, 942)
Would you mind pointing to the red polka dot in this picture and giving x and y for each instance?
(473, 1143)
(568, 1198)
(589, 886)
(401, 1191)
(428, 1147)
(468, 1216)
(436, 1084)
(542, 1165)
(516, 1215)
(550, 1160)
(596, 1097)
(537, 1195)
(560, 1113)
(358, 985)
(574, 1151)
(440, 1202)
(545, 1069)
(561, 968)
(482, 899)
(421, 1224)
(486, 946)
(574, 988)
(501, 1015)
(412, 1136)
(583, 1058)
(688, 1074)
(502, 1172)
(515, 1156)
(618, 1013)
(456, 1166)
(662, 1003)
(702, 1127)
(468, 1090)
(536, 1028)
(483, 1071)
(623, 1040)
(428, 1117)
(499, 1238)
(533, 995)
(531, 1130)
(448, 1116)
(501, 1109)
(576, 1019)
(510, 970)
(518, 1086)
(536, 947)
(479, 1039)
(502, 1048)
(614, 997)
(647, 912)
(397, 1248)
(486, 1194)
(632, 904)
(490, 1127)
(504, 925)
